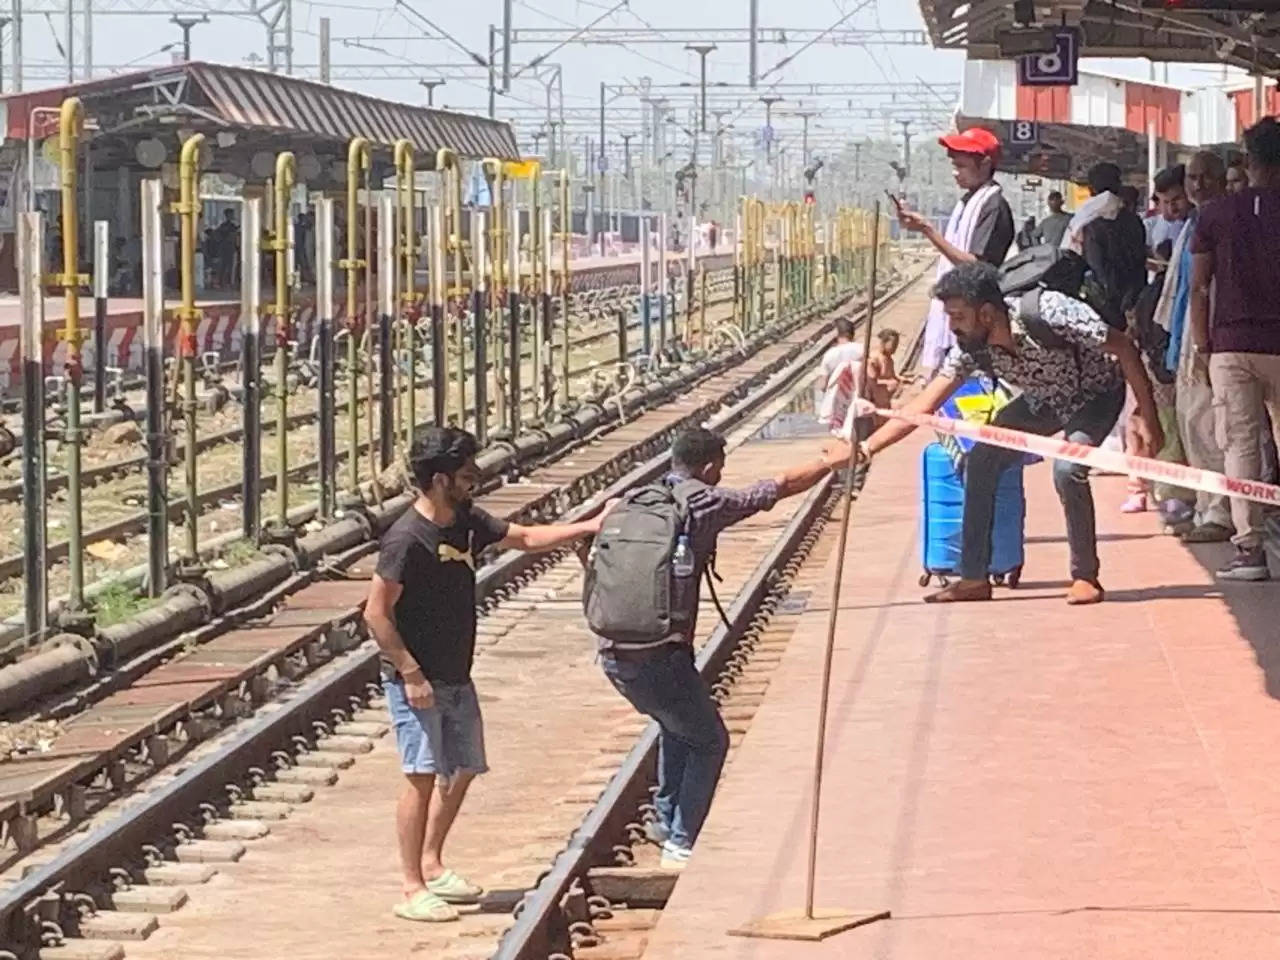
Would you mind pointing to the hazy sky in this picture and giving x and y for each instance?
(120, 40)
(382, 32)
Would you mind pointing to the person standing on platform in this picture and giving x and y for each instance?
(655, 671)
(421, 611)
(1197, 417)
(1237, 178)
(1235, 323)
(1070, 368)
(1171, 192)
(1054, 227)
(981, 226)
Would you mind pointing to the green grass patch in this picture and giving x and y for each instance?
(118, 603)
(240, 552)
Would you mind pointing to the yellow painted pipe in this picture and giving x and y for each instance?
(188, 210)
(451, 243)
(409, 296)
(70, 125)
(286, 176)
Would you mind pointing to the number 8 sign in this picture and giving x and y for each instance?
(1058, 68)
(1024, 132)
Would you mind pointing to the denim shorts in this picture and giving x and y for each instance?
(444, 739)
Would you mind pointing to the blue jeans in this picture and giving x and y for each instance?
(665, 685)
(985, 463)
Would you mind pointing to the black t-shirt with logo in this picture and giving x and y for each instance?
(436, 612)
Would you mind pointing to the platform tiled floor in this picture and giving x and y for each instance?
(1013, 779)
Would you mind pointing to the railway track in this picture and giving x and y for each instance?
(605, 330)
(309, 643)
(217, 499)
(606, 890)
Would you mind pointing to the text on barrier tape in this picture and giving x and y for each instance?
(1173, 473)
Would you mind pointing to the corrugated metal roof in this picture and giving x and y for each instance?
(255, 98)
(274, 102)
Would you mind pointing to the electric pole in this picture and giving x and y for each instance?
(187, 24)
(506, 46)
(804, 149)
(702, 49)
(16, 36)
(431, 89)
(324, 50)
(602, 163)
(755, 41)
(493, 80)
(906, 148)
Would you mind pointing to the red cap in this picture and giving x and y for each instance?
(974, 140)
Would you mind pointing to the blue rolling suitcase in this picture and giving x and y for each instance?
(943, 518)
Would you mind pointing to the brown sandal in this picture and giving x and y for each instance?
(1083, 593)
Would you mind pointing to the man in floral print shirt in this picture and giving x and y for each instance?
(1071, 369)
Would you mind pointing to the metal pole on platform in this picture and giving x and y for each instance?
(834, 611)
(153, 343)
(35, 533)
(810, 923)
(101, 272)
(251, 365)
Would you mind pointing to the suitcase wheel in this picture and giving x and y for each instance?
(925, 578)
(998, 579)
(1014, 578)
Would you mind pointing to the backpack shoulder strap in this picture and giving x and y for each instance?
(681, 492)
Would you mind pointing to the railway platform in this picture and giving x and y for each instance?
(1009, 779)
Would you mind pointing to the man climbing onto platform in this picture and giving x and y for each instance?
(421, 611)
(641, 602)
(1071, 369)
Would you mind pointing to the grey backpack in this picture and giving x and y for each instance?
(630, 594)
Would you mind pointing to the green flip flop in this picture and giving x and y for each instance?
(425, 907)
(452, 888)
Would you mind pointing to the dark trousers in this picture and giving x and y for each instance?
(664, 684)
(1091, 425)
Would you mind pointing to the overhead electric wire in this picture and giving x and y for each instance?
(827, 32)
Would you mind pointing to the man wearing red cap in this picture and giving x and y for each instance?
(981, 226)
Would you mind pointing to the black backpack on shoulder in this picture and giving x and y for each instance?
(1046, 267)
(1043, 267)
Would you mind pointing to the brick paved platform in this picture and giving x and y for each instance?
(1013, 779)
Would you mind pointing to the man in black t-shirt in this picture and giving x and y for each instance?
(421, 610)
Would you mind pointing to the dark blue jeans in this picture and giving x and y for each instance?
(1091, 425)
(665, 685)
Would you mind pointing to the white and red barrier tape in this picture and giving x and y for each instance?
(1174, 473)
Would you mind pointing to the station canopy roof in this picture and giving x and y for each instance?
(1246, 35)
(242, 112)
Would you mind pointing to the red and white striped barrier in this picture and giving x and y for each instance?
(1174, 473)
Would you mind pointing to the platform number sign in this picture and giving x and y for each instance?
(1059, 68)
(1024, 133)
